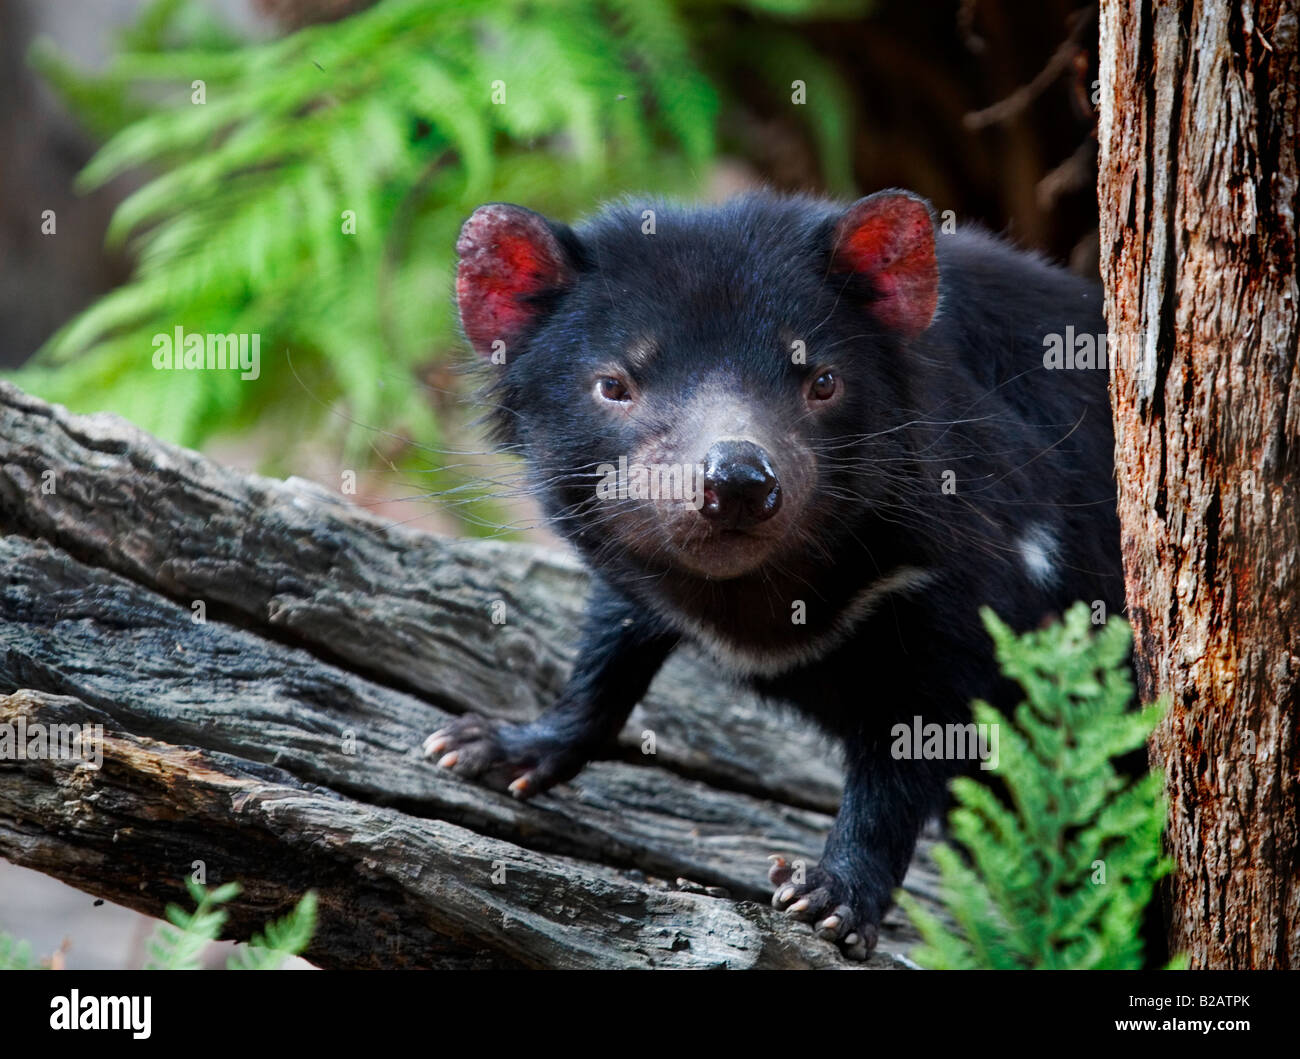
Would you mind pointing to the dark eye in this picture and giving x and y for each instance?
(611, 389)
(824, 387)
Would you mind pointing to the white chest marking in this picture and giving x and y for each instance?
(767, 662)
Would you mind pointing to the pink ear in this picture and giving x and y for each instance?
(506, 254)
(888, 237)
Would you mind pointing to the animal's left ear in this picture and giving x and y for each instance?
(888, 239)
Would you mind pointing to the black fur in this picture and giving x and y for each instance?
(721, 294)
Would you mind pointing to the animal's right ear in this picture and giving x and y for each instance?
(888, 239)
(509, 258)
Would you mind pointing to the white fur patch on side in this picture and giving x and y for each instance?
(766, 662)
(1038, 548)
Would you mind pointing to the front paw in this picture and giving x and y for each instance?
(819, 897)
(512, 757)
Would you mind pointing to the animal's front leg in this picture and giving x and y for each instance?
(619, 654)
(845, 896)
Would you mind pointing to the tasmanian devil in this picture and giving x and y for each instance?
(859, 437)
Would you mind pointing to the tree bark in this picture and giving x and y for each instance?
(1200, 114)
(277, 740)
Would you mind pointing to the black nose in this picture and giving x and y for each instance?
(740, 487)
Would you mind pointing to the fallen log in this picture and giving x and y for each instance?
(266, 660)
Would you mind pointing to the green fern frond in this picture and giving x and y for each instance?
(1060, 876)
(287, 936)
(16, 955)
(179, 947)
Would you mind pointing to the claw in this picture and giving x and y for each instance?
(855, 949)
(814, 901)
(495, 751)
(780, 871)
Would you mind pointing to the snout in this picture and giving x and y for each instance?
(741, 489)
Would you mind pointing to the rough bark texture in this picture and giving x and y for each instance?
(278, 740)
(1200, 114)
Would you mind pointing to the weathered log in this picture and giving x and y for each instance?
(395, 890)
(413, 610)
(277, 740)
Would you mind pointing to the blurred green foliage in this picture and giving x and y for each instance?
(240, 226)
(16, 955)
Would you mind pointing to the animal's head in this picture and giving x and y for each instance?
(704, 390)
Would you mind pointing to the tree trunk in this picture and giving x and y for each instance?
(1200, 114)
